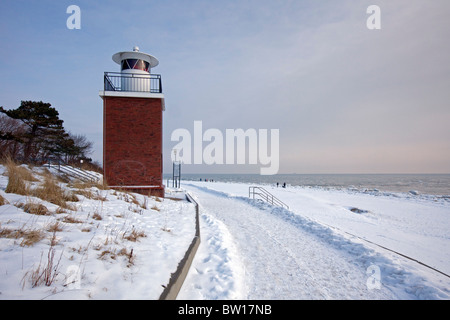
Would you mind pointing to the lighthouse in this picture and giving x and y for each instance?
(133, 105)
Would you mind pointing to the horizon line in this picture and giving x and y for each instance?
(295, 173)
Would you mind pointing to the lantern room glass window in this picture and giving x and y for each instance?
(136, 64)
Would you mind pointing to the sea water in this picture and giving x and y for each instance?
(433, 184)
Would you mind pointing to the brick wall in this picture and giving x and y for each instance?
(132, 143)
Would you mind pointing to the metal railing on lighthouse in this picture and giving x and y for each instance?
(117, 81)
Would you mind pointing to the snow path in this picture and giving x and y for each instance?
(283, 259)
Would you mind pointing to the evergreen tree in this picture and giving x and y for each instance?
(35, 130)
(45, 133)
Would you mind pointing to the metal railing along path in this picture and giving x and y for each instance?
(266, 196)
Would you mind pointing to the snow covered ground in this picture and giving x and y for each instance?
(107, 245)
(330, 244)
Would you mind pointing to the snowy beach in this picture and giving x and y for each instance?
(329, 244)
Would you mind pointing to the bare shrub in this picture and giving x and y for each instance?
(55, 227)
(144, 204)
(113, 254)
(60, 210)
(134, 235)
(129, 255)
(31, 237)
(97, 216)
(11, 128)
(44, 274)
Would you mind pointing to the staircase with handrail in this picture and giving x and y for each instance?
(266, 196)
(75, 172)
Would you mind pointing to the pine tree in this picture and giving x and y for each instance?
(45, 133)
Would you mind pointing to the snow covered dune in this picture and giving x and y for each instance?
(103, 244)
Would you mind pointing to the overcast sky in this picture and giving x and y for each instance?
(345, 99)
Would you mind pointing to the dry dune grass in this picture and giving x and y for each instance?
(17, 178)
(34, 208)
(28, 236)
(2, 200)
(40, 188)
(50, 191)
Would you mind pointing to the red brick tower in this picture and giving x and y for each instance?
(133, 104)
